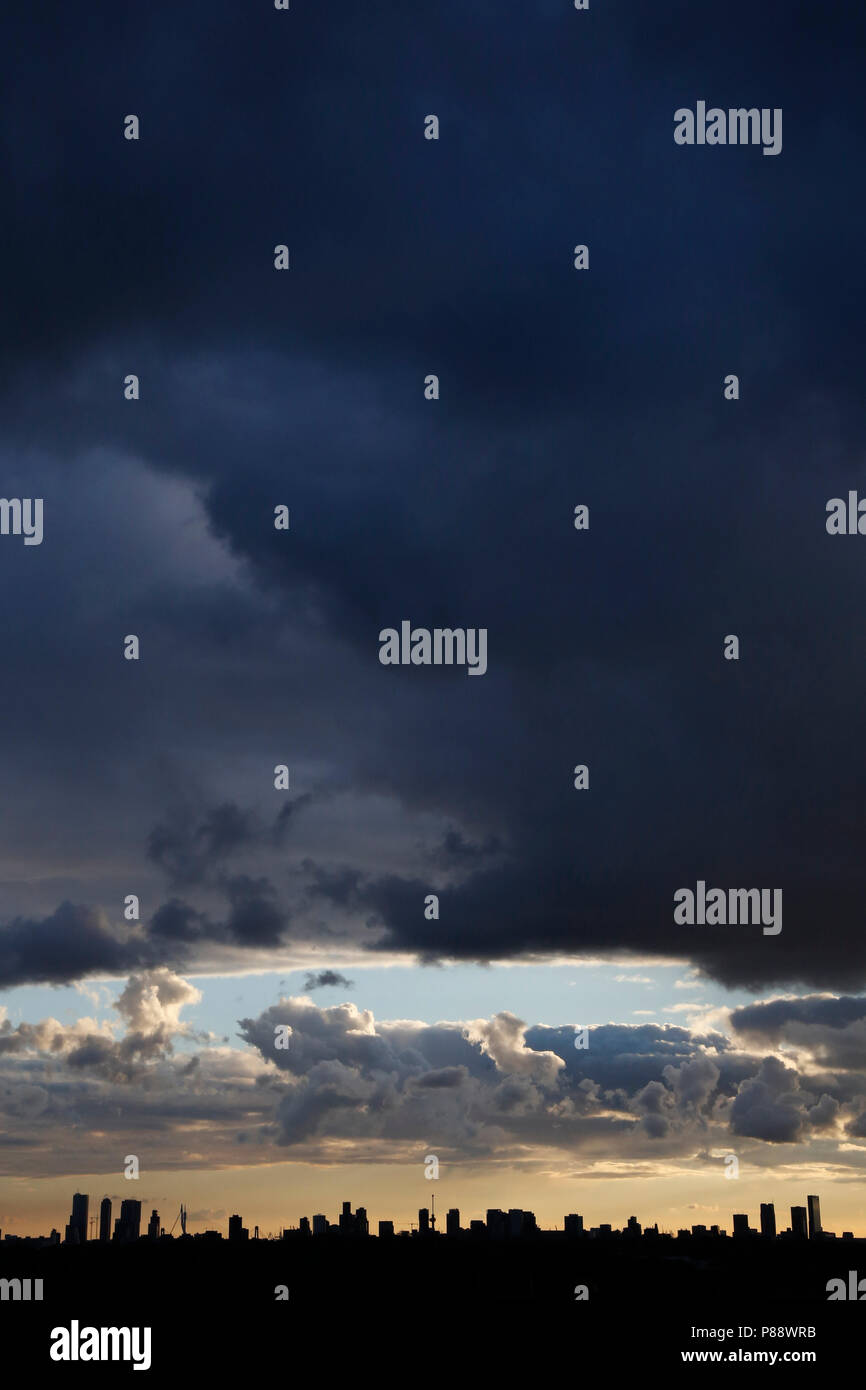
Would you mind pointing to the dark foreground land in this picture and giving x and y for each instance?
(213, 1308)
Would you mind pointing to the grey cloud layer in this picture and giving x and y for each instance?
(348, 1088)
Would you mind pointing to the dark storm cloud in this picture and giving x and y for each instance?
(767, 1105)
(454, 257)
(178, 921)
(94, 1052)
(833, 1030)
(186, 853)
(456, 851)
(189, 852)
(325, 979)
(446, 1078)
(771, 1018)
(286, 816)
(254, 917)
(77, 942)
(72, 943)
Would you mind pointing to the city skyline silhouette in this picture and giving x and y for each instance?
(498, 1223)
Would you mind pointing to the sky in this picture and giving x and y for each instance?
(262, 908)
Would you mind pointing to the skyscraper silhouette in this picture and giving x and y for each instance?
(78, 1219)
(128, 1225)
(799, 1226)
(495, 1221)
(237, 1230)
